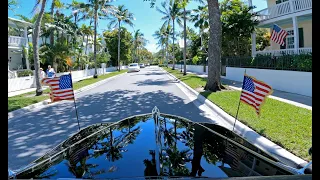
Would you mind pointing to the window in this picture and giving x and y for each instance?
(289, 42)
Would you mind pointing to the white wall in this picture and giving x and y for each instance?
(20, 83)
(16, 84)
(288, 81)
(192, 68)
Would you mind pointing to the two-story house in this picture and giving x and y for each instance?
(295, 16)
(17, 39)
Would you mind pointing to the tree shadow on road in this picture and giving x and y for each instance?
(30, 136)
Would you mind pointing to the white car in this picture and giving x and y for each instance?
(134, 67)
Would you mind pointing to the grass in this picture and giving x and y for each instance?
(26, 99)
(287, 125)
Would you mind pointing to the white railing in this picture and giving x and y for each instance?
(299, 5)
(285, 51)
(17, 41)
(284, 8)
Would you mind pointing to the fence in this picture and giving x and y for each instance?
(16, 84)
(301, 62)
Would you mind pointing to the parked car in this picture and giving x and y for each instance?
(142, 65)
(134, 67)
(157, 145)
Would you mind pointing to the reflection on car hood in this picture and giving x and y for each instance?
(153, 145)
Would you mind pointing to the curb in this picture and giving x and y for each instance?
(241, 129)
(24, 110)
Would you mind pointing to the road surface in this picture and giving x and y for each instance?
(38, 131)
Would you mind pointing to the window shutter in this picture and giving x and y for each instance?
(301, 40)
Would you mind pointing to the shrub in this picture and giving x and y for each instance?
(25, 73)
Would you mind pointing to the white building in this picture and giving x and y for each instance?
(17, 39)
(295, 16)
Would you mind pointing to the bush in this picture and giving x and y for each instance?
(25, 73)
(294, 62)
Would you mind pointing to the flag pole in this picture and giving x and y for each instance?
(235, 119)
(74, 100)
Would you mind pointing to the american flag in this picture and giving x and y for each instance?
(254, 92)
(61, 87)
(278, 35)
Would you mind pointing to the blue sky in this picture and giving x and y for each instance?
(148, 20)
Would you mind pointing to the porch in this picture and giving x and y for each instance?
(285, 51)
(283, 8)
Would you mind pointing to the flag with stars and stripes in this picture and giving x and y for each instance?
(254, 92)
(61, 87)
(278, 35)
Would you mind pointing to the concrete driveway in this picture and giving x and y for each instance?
(33, 134)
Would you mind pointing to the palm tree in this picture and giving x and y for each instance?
(162, 39)
(171, 11)
(86, 31)
(214, 53)
(96, 9)
(54, 4)
(35, 37)
(138, 41)
(200, 17)
(121, 14)
(183, 4)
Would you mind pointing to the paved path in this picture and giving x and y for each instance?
(38, 131)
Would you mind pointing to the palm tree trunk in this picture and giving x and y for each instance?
(52, 14)
(214, 54)
(184, 41)
(173, 46)
(201, 44)
(167, 51)
(119, 46)
(35, 37)
(95, 42)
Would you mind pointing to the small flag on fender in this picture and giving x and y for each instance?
(254, 92)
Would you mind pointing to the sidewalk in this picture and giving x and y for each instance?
(291, 98)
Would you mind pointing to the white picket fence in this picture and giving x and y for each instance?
(16, 84)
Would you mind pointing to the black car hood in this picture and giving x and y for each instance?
(153, 145)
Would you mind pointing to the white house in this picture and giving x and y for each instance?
(17, 39)
(295, 16)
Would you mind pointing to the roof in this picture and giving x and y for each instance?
(16, 22)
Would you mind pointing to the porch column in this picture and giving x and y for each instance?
(253, 44)
(25, 32)
(296, 34)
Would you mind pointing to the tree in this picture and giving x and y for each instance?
(237, 26)
(100, 9)
(87, 31)
(162, 40)
(171, 12)
(263, 38)
(138, 42)
(35, 37)
(111, 38)
(183, 4)
(12, 4)
(214, 53)
(121, 15)
(200, 17)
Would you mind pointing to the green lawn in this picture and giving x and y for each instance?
(23, 100)
(286, 125)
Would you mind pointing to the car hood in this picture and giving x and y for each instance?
(152, 145)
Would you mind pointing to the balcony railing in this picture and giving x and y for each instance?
(281, 9)
(16, 41)
(286, 51)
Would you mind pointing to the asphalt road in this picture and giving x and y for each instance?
(38, 131)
